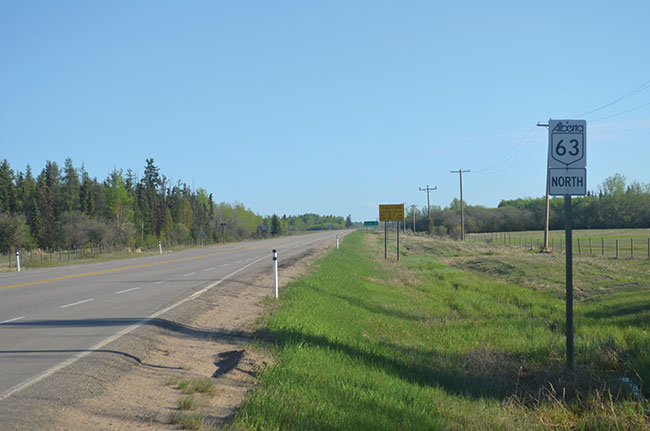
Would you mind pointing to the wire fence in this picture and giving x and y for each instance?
(604, 246)
(62, 256)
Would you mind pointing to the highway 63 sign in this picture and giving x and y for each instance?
(567, 143)
(567, 157)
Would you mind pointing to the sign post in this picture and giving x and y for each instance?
(567, 174)
(391, 212)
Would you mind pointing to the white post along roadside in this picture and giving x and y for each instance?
(275, 271)
(18, 260)
(567, 175)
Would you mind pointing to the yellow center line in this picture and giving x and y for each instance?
(143, 265)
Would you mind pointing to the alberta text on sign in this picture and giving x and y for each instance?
(392, 212)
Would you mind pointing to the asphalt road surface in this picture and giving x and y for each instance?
(50, 318)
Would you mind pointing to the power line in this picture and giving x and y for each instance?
(510, 153)
(503, 160)
(518, 162)
(621, 113)
(638, 89)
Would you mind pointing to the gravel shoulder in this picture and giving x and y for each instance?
(129, 385)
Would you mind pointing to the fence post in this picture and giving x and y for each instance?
(561, 245)
(553, 244)
(616, 249)
(631, 248)
(10, 254)
(602, 246)
(579, 248)
(591, 249)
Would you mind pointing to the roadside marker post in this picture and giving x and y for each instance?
(159, 247)
(18, 260)
(567, 176)
(391, 212)
(275, 271)
(337, 241)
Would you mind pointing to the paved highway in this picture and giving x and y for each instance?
(49, 318)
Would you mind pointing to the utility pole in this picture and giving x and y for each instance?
(428, 189)
(462, 209)
(548, 203)
(413, 211)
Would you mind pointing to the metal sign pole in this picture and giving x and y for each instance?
(569, 281)
(385, 240)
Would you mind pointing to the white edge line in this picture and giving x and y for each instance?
(62, 365)
(127, 290)
(160, 282)
(13, 320)
(187, 275)
(77, 303)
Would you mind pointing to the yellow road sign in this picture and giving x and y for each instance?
(392, 212)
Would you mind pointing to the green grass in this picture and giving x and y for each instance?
(201, 385)
(364, 343)
(187, 403)
(186, 421)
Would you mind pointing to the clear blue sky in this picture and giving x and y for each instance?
(330, 107)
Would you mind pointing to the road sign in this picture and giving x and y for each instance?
(392, 212)
(567, 143)
(370, 223)
(565, 181)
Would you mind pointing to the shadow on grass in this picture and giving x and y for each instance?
(480, 374)
(355, 302)
(633, 306)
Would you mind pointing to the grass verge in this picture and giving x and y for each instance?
(186, 421)
(430, 344)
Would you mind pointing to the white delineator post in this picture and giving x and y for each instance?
(159, 247)
(18, 260)
(337, 242)
(275, 271)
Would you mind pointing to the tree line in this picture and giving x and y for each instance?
(614, 205)
(66, 207)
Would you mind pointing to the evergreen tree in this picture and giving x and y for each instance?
(70, 188)
(7, 189)
(276, 228)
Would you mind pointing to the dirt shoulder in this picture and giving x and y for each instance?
(207, 338)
